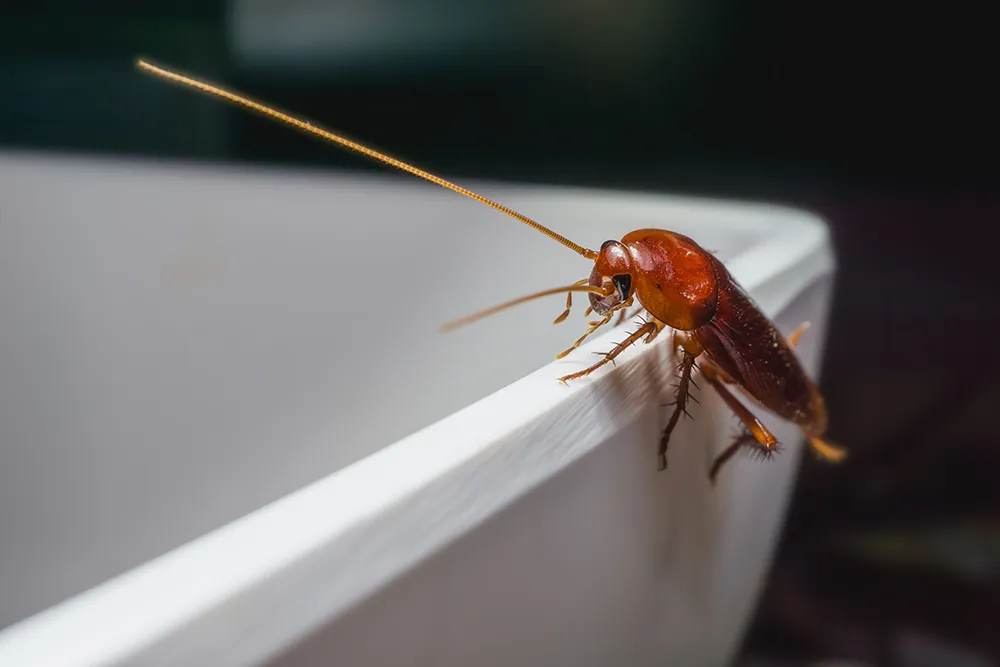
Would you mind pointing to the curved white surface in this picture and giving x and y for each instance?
(528, 528)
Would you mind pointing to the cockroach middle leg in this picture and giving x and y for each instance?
(649, 329)
(689, 349)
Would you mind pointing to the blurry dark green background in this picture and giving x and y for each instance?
(878, 116)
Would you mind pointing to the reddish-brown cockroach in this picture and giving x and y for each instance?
(717, 328)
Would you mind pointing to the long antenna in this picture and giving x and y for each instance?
(364, 150)
(469, 319)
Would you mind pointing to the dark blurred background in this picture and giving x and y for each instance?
(879, 117)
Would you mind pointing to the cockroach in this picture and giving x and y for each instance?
(717, 329)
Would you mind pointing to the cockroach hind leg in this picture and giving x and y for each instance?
(765, 439)
(825, 451)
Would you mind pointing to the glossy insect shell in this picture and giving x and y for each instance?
(689, 289)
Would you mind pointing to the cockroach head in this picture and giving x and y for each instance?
(612, 271)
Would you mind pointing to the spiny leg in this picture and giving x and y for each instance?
(689, 349)
(766, 443)
(649, 329)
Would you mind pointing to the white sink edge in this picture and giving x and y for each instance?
(115, 622)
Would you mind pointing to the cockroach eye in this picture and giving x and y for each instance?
(606, 244)
(624, 284)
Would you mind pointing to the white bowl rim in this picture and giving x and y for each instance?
(175, 606)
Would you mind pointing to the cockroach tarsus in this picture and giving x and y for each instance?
(717, 328)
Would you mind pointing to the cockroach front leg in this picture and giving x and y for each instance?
(594, 326)
(649, 329)
(689, 349)
(759, 436)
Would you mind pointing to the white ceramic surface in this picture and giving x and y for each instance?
(231, 433)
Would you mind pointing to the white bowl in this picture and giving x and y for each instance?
(232, 434)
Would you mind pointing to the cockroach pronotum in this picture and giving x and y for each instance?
(717, 328)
